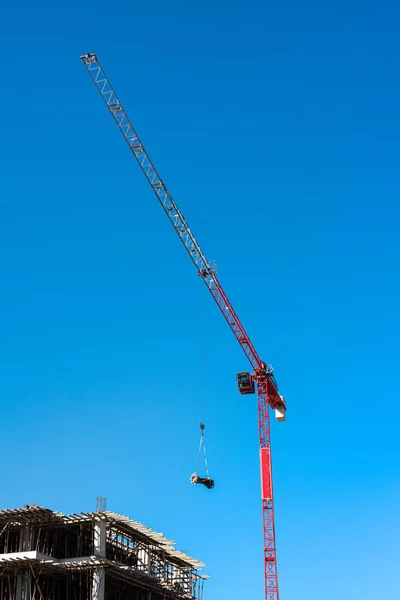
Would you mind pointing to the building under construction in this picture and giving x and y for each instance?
(101, 555)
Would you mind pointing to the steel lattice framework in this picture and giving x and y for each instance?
(267, 388)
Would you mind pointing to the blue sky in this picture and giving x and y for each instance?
(276, 128)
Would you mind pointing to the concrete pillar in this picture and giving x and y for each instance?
(100, 538)
(98, 587)
(24, 539)
(19, 594)
(143, 560)
(23, 579)
(99, 575)
(23, 585)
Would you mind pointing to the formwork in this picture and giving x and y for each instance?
(101, 555)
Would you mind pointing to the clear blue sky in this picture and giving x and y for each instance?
(276, 127)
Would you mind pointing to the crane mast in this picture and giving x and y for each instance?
(262, 376)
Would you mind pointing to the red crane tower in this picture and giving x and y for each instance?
(261, 379)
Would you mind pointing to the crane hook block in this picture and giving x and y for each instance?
(206, 481)
(245, 383)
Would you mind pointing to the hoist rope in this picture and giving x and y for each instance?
(205, 460)
(203, 391)
(203, 386)
(202, 446)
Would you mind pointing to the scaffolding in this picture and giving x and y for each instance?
(101, 555)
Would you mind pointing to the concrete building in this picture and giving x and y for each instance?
(102, 555)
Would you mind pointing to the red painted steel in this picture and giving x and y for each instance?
(265, 460)
(267, 388)
(270, 566)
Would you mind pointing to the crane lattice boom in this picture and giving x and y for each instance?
(267, 388)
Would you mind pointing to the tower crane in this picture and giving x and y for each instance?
(261, 378)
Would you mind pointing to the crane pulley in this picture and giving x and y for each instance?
(261, 379)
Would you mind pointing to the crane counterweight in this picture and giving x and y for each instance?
(280, 414)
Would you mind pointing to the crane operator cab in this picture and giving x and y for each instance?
(245, 383)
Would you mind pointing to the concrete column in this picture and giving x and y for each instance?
(100, 538)
(99, 575)
(19, 595)
(143, 560)
(98, 587)
(23, 586)
(24, 539)
(23, 579)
